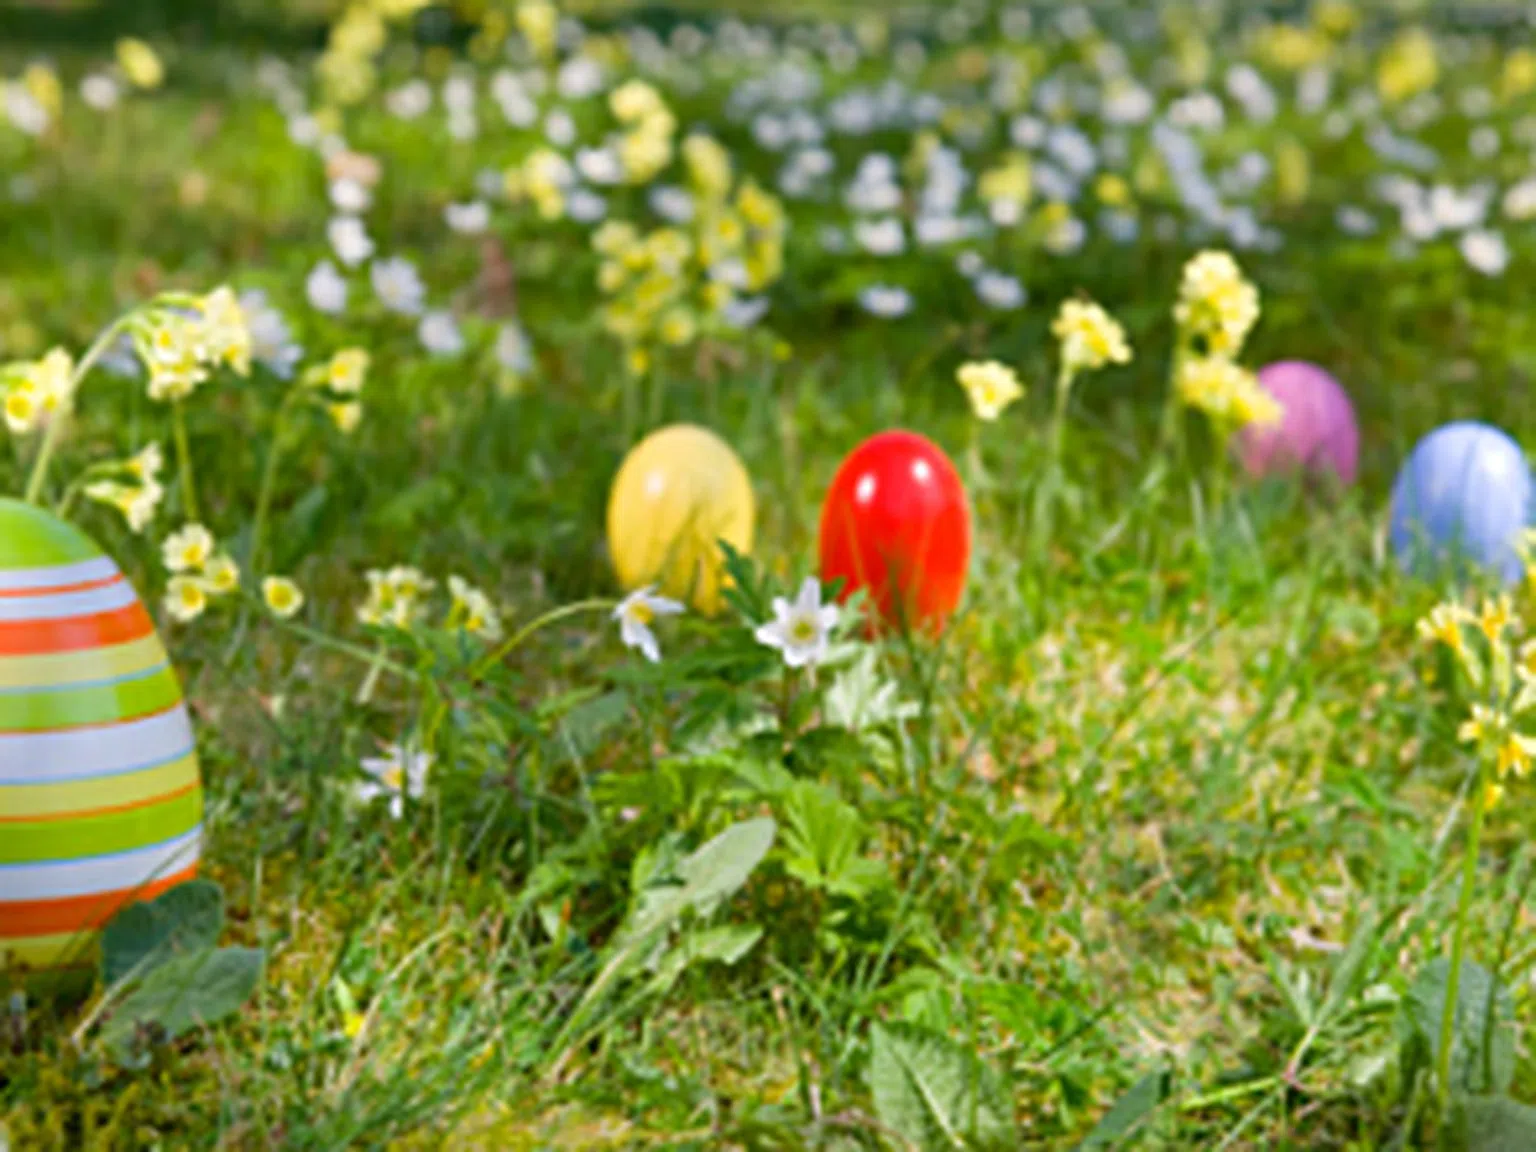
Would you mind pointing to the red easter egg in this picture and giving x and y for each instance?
(896, 523)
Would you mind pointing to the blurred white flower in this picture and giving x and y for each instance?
(325, 289)
(99, 91)
(349, 239)
(579, 77)
(410, 100)
(304, 130)
(469, 218)
(440, 334)
(885, 301)
(1520, 200)
(671, 203)
(585, 206)
(744, 311)
(560, 129)
(272, 343)
(350, 195)
(881, 237)
(599, 165)
(24, 110)
(459, 94)
(398, 285)
(512, 350)
(999, 290)
(1485, 251)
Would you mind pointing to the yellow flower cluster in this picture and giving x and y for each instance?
(1408, 66)
(395, 597)
(990, 386)
(542, 178)
(282, 596)
(140, 64)
(183, 338)
(132, 486)
(665, 286)
(646, 146)
(339, 384)
(1090, 337)
(33, 392)
(1217, 304)
(1500, 673)
(347, 68)
(538, 21)
(199, 572)
(1010, 182)
(472, 611)
(1226, 392)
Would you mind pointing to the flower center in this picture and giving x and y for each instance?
(802, 631)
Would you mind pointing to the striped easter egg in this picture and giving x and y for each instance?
(100, 798)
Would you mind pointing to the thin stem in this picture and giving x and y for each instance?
(371, 681)
(1459, 940)
(184, 462)
(56, 422)
(372, 658)
(269, 480)
(1064, 379)
(497, 655)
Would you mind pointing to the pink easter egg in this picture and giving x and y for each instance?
(1317, 434)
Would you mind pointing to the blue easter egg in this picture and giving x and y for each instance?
(1464, 494)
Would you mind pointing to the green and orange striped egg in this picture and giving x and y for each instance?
(100, 799)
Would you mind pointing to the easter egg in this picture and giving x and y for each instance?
(1317, 434)
(1464, 494)
(678, 493)
(100, 799)
(896, 523)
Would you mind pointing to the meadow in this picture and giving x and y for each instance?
(1166, 840)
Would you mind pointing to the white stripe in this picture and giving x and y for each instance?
(23, 579)
(65, 605)
(57, 757)
(122, 870)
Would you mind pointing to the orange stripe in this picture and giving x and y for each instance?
(77, 913)
(108, 810)
(74, 633)
(85, 586)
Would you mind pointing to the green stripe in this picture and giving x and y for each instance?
(32, 538)
(40, 841)
(50, 709)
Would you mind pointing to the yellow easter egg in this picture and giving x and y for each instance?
(678, 493)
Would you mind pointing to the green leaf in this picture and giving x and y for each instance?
(860, 698)
(724, 944)
(179, 995)
(1482, 1048)
(935, 1093)
(1490, 1124)
(1144, 1098)
(584, 726)
(181, 920)
(822, 842)
(718, 869)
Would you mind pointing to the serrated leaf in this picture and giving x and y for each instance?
(181, 920)
(1490, 1124)
(935, 1093)
(1143, 1098)
(182, 993)
(860, 698)
(584, 726)
(822, 842)
(1482, 1049)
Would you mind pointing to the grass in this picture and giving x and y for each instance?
(1183, 799)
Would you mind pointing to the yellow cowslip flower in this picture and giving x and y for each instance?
(1515, 755)
(51, 381)
(42, 84)
(186, 598)
(644, 152)
(346, 416)
(139, 63)
(1216, 303)
(1293, 173)
(638, 361)
(614, 238)
(1443, 626)
(667, 250)
(173, 352)
(990, 386)
(1519, 75)
(283, 597)
(633, 101)
(1011, 181)
(188, 549)
(136, 502)
(1408, 66)
(1292, 48)
(1336, 17)
(222, 574)
(611, 276)
(1226, 392)
(763, 264)
(472, 610)
(538, 21)
(1112, 190)
(716, 296)
(1495, 617)
(761, 210)
(22, 409)
(1483, 724)
(1090, 338)
(709, 166)
(226, 338)
(347, 371)
(677, 327)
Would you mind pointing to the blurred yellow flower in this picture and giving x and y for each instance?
(1443, 626)
(222, 574)
(1519, 75)
(226, 337)
(633, 101)
(1090, 337)
(42, 84)
(990, 386)
(139, 63)
(1216, 303)
(538, 21)
(188, 549)
(1408, 66)
(186, 598)
(709, 166)
(282, 596)
(1226, 392)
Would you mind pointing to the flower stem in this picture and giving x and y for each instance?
(56, 423)
(497, 655)
(269, 480)
(184, 462)
(371, 681)
(374, 658)
(1459, 939)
